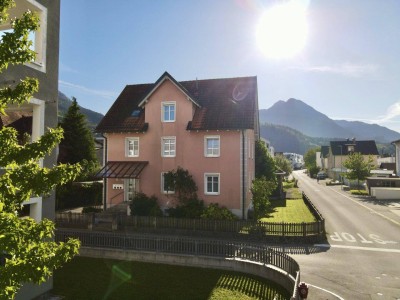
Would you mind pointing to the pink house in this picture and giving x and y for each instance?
(205, 126)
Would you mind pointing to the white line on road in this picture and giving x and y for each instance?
(329, 292)
(370, 209)
(358, 248)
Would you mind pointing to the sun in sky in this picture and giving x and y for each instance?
(282, 30)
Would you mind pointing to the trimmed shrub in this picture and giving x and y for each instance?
(74, 195)
(192, 208)
(359, 192)
(215, 212)
(91, 209)
(142, 205)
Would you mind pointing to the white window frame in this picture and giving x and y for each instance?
(167, 153)
(206, 176)
(134, 140)
(163, 106)
(206, 148)
(39, 36)
(163, 185)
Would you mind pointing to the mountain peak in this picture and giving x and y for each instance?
(297, 114)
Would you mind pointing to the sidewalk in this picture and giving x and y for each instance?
(316, 293)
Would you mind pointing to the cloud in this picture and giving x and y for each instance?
(390, 119)
(345, 69)
(393, 111)
(104, 94)
(65, 68)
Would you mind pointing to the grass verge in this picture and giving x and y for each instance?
(289, 210)
(90, 278)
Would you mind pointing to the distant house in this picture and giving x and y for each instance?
(322, 159)
(339, 151)
(208, 127)
(385, 183)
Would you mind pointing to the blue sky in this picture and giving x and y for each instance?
(348, 69)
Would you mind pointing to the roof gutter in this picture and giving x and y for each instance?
(105, 146)
(243, 173)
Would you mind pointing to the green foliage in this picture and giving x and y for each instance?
(310, 161)
(73, 195)
(215, 212)
(264, 162)
(142, 205)
(262, 190)
(192, 208)
(78, 142)
(358, 167)
(359, 192)
(183, 185)
(91, 209)
(282, 163)
(30, 254)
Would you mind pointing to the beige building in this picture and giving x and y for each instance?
(41, 112)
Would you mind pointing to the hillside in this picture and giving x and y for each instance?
(286, 139)
(297, 114)
(64, 103)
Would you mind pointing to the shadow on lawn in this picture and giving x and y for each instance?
(90, 278)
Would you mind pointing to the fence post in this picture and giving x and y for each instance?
(283, 228)
(114, 223)
(304, 229)
(91, 222)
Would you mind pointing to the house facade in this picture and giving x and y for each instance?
(41, 112)
(207, 127)
(339, 151)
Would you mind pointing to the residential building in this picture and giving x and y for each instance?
(207, 127)
(41, 112)
(339, 151)
(295, 159)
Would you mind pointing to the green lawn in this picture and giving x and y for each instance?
(89, 278)
(290, 210)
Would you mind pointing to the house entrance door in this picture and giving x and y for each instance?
(130, 189)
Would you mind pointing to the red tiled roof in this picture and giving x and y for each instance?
(228, 103)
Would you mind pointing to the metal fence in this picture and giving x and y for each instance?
(184, 246)
(129, 223)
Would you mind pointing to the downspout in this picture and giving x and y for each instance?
(104, 179)
(243, 173)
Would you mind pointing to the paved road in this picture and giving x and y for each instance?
(361, 257)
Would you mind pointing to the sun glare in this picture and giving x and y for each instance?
(282, 30)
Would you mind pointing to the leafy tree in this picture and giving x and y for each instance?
(264, 162)
(27, 251)
(185, 193)
(358, 167)
(78, 143)
(262, 189)
(310, 161)
(283, 164)
(182, 183)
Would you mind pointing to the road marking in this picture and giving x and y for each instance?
(358, 248)
(341, 236)
(325, 290)
(370, 209)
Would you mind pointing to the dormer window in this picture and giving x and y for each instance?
(168, 110)
(136, 113)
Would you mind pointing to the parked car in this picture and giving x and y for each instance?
(321, 175)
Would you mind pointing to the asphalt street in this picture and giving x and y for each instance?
(360, 258)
